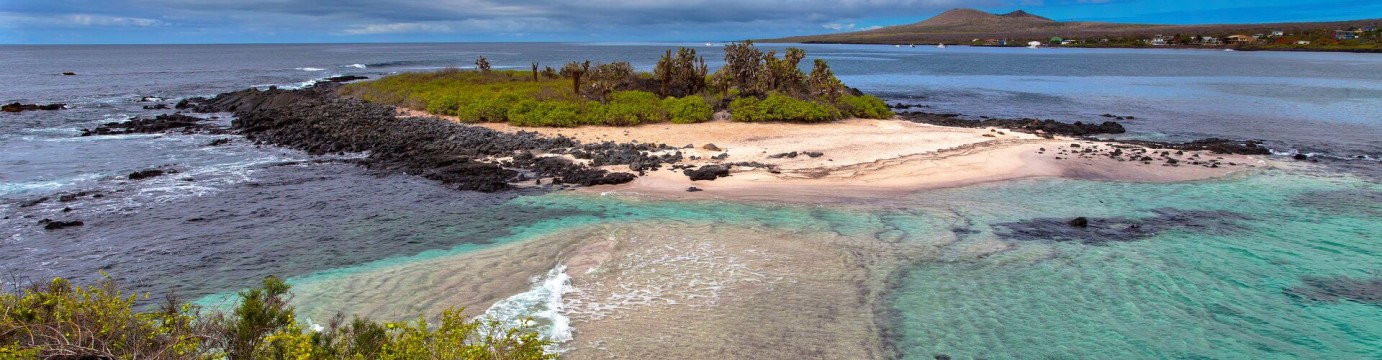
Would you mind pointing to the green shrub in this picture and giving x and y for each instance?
(778, 107)
(64, 321)
(632, 108)
(688, 110)
(97, 321)
(867, 107)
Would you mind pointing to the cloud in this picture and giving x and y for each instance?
(838, 27)
(102, 20)
(395, 28)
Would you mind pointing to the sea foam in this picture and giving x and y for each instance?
(540, 308)
(311, 69)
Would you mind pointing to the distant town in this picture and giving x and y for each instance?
(1366, 37)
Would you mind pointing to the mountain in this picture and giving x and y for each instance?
(965, 25)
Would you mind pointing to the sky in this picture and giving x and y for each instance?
(335, 21)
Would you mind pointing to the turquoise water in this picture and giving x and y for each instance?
(1206, 276)
(1184, 293)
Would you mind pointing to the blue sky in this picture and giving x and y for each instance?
(289, 21)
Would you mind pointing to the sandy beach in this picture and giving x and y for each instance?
(879, 159)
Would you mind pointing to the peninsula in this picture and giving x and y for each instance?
(1020, 28)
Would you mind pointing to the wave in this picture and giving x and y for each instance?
(310, 69)
(399, 63)
(540, 308)
(357, 66)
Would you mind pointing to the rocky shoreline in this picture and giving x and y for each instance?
(465, 157)
(1049, 128)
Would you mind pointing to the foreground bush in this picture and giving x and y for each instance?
(688, 110)
(778, 107)
(62, 321)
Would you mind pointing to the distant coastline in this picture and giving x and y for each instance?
(1019, 28)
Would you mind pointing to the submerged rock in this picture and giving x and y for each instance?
(1096, 231)
(1338, 288)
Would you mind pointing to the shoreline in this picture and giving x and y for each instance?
(864, 159)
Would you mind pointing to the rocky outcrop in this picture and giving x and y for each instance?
(708, 172)
(149, 174)
(317, 121)
(49, 224)
(158, 124)
(1035, 126)
(17, 107)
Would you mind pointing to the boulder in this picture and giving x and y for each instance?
(1080, 222)
(17, 107)
(146, 174)
(58, 224)
(708, 172)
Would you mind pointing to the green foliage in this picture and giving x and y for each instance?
(633, 108)
(682, 75)
(262, 311)
(608, 78)
(62, 321)
(97, 321)
(688, 110)
(779, 107)
(614, 94)
(867, 107)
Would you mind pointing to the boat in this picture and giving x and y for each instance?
(940, 46)
(897, 46)
(1034, 44)
(1229, 50)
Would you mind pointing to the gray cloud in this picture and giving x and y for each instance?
(565, 19)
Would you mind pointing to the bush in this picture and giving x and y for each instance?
(867, 107)
(688, 110)
(63, 321)
(778, 107)
(632, 108)
(98, 321)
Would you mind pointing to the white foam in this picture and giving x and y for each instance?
(357, 66)
(311, 69)
(542, 304)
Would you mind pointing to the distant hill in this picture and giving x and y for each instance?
(964, 25)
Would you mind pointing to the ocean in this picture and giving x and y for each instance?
(1265, 264)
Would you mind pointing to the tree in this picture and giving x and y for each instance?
(607, 78)
(742, 64)
(575, 71)
(534, 71)
(482, 63)
(681, 75)
(823, 82)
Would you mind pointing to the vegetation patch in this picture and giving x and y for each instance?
(679, 90)
(60, 320)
